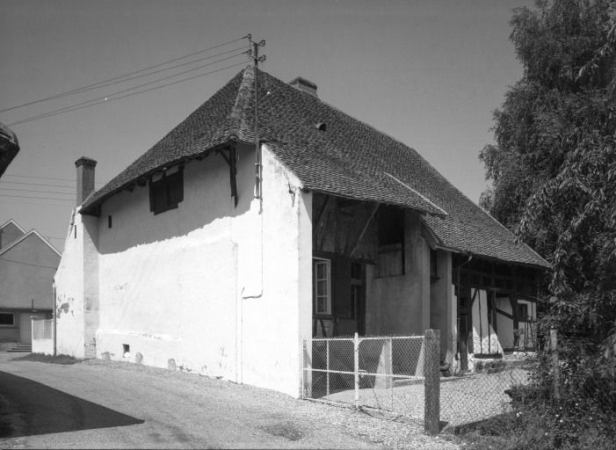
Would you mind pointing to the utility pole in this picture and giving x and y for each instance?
(253, 53)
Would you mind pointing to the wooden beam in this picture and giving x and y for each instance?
(231, 160)
(221, 153)
(322, 211)
(233, 173)
(363, 231)
(318, 222)
(503, 313)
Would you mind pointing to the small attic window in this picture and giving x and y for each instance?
(166, 190)
(321, 126)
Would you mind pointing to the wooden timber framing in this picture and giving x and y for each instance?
(364, 229)
(345, 227)
(497, 279)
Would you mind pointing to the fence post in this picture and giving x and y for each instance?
(432, 405)
(307, 369)
(356, 368)
(390, 373)
(327, 365)
(555, 365)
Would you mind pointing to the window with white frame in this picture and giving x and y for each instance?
(321, 271)
(7, 319)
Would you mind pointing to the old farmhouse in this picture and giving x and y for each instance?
(220, 253)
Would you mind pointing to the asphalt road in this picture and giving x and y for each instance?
(119, 405)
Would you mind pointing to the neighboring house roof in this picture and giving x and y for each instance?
(330, 152)
(9, 147)
(15, 243)
(12, 223)
(9, 232)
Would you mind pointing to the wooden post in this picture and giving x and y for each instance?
(356, 368)
(432, 405)
(555, 365)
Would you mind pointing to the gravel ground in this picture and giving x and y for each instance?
(463, 399)
(289, 422)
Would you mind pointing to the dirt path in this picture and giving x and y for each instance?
(117, 405)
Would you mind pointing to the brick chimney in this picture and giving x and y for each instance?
(85, 178)
(304, 85)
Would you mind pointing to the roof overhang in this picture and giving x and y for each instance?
(9, 147)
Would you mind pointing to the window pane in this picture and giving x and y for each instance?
(321, 305)
(322, 287)
(321, 270)
(6, 319)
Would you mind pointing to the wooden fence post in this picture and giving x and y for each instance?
(555, 364)
(432, 375)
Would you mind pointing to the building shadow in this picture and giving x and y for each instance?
(30, 408)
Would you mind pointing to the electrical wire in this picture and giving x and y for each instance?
(106, 99)
(36, 184)
(37, 177)
(37, 198)
(39, 192)
(26, 264)
(118, 79)
(162, 70)
(41, 178)
(43, 202)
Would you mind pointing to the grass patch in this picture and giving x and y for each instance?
(39, 357)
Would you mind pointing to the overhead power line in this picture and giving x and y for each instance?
(37, 184)
(73, 181)
(37, 198)
(107, 99)
(122, 78)
(41, 202)
(30, 176)
(39, 192)
(26, 264)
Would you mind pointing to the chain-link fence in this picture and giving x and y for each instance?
(483, 393)
(401, 374)
(382, 372)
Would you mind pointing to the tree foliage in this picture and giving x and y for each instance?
(553, 168)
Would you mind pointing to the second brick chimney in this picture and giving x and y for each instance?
(85, 178)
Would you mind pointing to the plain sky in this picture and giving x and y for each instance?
(427, 72)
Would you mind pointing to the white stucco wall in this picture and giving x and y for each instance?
(276, 318)
(485, 340)
(220, 290)
(69, 293)
(400, 305)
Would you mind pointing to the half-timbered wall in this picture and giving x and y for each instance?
(492, 297)
(396, 270)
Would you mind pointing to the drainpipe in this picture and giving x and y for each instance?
(463, 356)
(54, 312)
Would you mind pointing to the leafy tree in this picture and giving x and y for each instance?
(553, 168)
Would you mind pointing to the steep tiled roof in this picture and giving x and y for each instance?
(345, 157)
